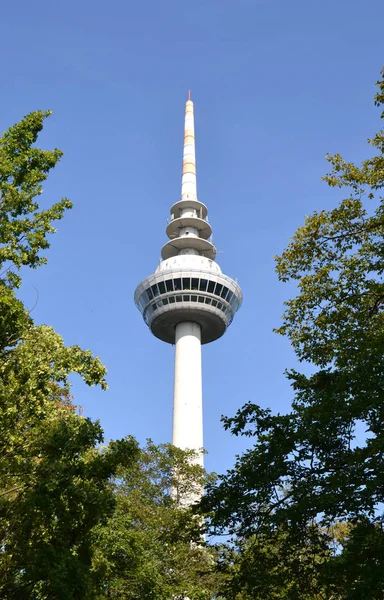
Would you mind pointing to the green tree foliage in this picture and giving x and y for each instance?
(270, 566)
(354, 572)
(55, 480)
(23, 168)
(308, 466)
(151, 547)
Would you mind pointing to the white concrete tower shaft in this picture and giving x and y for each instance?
(188, 391)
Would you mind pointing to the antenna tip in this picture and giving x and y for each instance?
(189, 94)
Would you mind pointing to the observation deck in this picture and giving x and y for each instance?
(188, 292)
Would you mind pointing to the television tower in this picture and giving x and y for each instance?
(188, 301)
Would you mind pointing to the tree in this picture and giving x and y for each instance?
(23, 168)
(307, 466)
(151, 547)
(55, 477)
(269, 566)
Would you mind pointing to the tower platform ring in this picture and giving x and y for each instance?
(182, 204)
(173, 247)
(203, 227)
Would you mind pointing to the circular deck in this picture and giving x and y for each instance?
(173, 247)
(208, 298)
(203, 227)
(201, 209)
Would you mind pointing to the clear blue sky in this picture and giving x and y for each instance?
(276, 86)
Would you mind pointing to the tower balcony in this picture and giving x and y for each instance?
(178, 208)
(203, 247)
(202, 226)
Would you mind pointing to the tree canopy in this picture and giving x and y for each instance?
(152, 547)
(55, 476)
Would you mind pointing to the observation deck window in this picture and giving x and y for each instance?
(219, 288)
(158, 304)
(142, 302)
(155, 289)
(225, 299)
